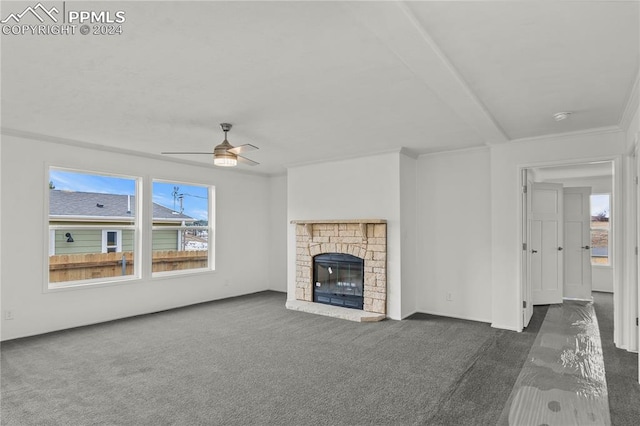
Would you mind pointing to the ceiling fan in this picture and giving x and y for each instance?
(225, 154)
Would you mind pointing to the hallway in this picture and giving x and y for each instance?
(563, 380)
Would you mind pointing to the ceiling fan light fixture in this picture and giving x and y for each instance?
(222, 157)
(225, 155)
(226, 161)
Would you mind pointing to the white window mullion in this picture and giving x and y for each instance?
(52, 242)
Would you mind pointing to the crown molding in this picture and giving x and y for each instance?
(463, 150)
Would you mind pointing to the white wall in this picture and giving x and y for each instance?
(506, 159)
(454, 250)
(278, 233)
(409, 233)
(242, 240)
(361, 188)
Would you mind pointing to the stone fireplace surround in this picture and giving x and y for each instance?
(363, 238)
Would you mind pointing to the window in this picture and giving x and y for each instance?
(181, 227)
(93, 224)
(600, 229)
(111, 241)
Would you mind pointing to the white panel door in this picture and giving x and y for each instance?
(546, 224)
(577, 237)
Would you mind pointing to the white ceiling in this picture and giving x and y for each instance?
(309, 81)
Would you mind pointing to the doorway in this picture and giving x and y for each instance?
(552, 269)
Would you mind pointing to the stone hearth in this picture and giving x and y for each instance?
(363, 238)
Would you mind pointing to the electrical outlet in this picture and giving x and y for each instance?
(8, 315)
(449, 296)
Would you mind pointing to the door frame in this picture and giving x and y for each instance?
(635, 158)
(617, 234)
(525, 271)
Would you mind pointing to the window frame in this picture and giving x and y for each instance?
(136, 227)
(105, 240)
(209, 228)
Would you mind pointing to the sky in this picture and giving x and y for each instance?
(195, 198)
(600, 203)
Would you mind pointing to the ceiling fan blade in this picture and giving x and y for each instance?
(246, 161)
(181, 152)
(242, 149)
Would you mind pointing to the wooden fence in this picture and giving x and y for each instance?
(74, 267)
(171, 260)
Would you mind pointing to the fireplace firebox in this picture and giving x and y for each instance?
(338, 280)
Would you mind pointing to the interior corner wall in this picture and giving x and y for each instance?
(241, 240)
(506, 160)
(629, 277)
(454, 242)
(277, 250)
(358, 188)
(631, 335)
(409, 233)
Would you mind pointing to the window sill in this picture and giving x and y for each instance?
(181, 273)
(77, 285)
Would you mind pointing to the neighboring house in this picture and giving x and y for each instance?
(111, 212)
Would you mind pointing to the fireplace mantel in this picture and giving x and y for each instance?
(365, 221)
(362, 225)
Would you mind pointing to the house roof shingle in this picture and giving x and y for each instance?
(72, 203)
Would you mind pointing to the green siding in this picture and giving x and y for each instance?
(90, 241)
(165, 240)
(84, 241)
(127, 240)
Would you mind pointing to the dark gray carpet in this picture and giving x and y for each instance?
(479, 394)
(621, 368)
(249, 361)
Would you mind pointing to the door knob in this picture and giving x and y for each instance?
(586, 247)
(559, 248)
(534, 251)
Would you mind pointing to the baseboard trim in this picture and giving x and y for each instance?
(4, 339)
(409, 314)
(506, 327)
(462, 317)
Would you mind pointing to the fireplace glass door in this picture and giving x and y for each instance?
(338, 280)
